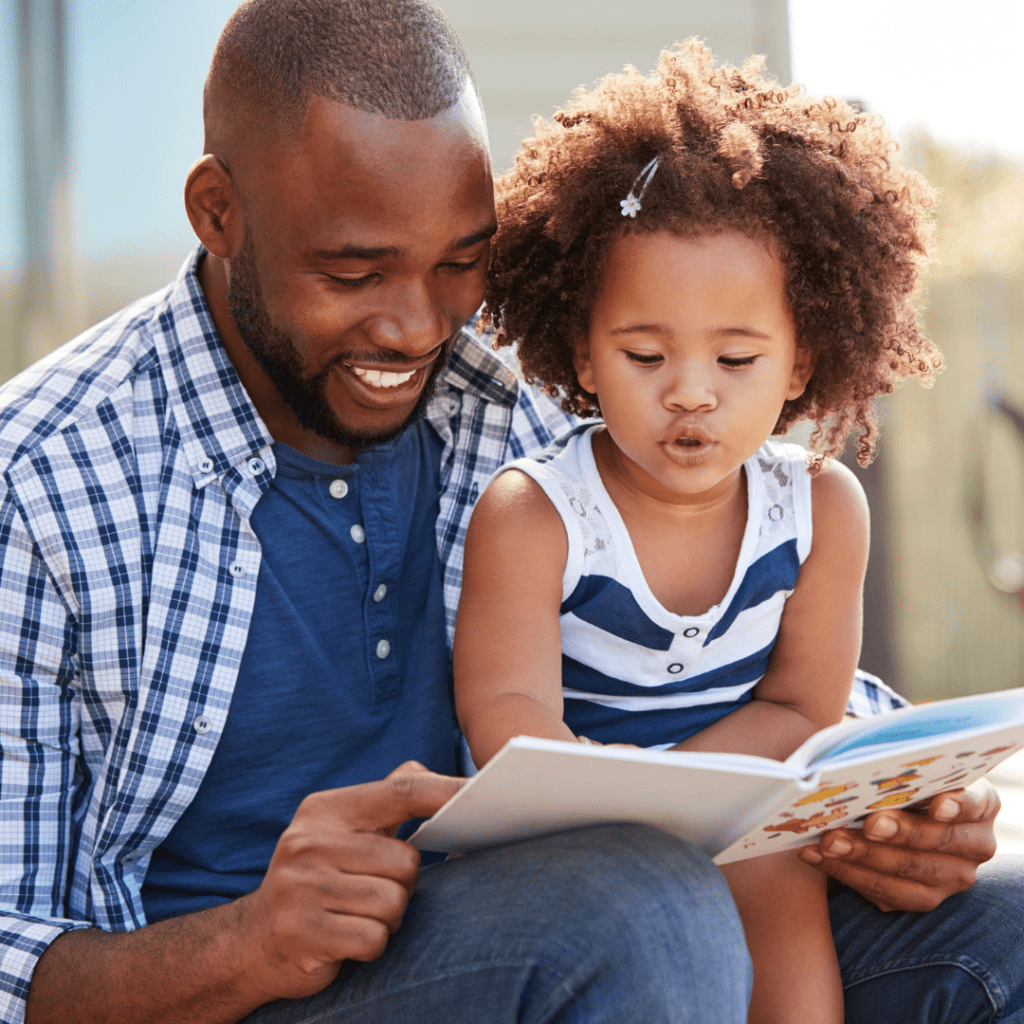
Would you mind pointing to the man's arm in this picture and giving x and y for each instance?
(336, 889)
(913, 860)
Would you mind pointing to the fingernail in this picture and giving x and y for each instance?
(883, 828)
(840, 846)
(810, 855)
(945, 810)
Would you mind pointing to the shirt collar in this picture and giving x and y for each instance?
(218, 422)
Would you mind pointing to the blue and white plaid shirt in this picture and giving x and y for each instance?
(130, 461)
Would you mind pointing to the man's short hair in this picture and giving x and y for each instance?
(397, 58)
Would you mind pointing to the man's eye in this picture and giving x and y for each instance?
(461, 268)
(354, 282)
(733, 361)
(644, 358)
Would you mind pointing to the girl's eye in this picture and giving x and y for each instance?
(734, 361)
(644, 358)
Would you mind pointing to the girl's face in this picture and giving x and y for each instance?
(692, 352)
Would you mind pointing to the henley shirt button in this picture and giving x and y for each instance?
(237, 569)
(206, 465)
(255, 466)
(358, 534)
(383, 649)
(130, 858)
(338, 488)
(692, 631)
(675, 668)
(201, 725)
(380, 593)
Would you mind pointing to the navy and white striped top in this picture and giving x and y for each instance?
(632, 671)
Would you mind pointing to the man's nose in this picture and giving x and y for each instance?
(412, 320)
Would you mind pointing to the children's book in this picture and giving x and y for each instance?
(733, 806)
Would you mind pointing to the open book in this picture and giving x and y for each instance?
(733, 806)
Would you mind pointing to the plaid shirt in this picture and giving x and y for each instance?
(130, 461)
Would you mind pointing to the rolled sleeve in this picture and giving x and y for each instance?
(38, 761)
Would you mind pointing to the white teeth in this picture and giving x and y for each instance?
(381, 378)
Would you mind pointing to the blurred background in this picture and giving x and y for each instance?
(100, 118)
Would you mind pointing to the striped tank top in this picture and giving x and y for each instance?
(632, 671)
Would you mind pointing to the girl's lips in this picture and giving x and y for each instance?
(693, 453)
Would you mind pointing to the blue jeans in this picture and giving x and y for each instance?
(622, 924)
(612, 925)
(962, 963)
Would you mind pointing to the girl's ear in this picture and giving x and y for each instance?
(581, 364)
(803, 367)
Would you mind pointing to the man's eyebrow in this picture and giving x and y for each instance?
(380, 252)
(471, 240)
(357, 252)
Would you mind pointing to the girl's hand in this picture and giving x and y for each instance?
(594, 743)
(913, 860)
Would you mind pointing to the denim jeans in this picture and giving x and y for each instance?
(962, 963)
(622, 924)
(612, 925)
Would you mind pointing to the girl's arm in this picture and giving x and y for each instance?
(508, 649)
(784, 911)
(811, 667)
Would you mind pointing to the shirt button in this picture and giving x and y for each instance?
(383, 649)
(338, 488)
(255, 466)
(206, 465)
(380, 593)
(237, 569)
(451, 406)
(692, 631)
(130, 858)
(201, 725)
(675, 669)
(358, 534)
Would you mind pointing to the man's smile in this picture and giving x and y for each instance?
(380, 378)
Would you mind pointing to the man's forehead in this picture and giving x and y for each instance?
(360, 130)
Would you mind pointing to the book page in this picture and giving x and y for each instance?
(907, 729)
(844, 793)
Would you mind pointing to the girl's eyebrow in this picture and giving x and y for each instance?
(660, 329)
(640, 329)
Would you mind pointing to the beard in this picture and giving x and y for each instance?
(278, 357)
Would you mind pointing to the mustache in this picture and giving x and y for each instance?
(386, 357)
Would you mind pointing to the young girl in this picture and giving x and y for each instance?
(702, 259)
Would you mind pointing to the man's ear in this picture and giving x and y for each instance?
(581, 364)
(213, 206)
(803, 367)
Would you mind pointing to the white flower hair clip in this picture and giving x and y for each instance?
(631, 204)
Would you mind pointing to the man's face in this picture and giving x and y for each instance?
(365, 253)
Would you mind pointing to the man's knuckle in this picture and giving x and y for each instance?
(910, 866)
(370, 939)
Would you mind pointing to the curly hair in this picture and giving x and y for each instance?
(814, 179)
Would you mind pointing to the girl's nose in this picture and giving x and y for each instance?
(690, 390)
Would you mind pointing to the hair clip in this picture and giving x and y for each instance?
(631, 204)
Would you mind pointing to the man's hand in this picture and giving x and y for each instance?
(913, 860)
(336, 888)
(338, 883)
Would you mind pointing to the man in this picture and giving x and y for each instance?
(232, 521)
